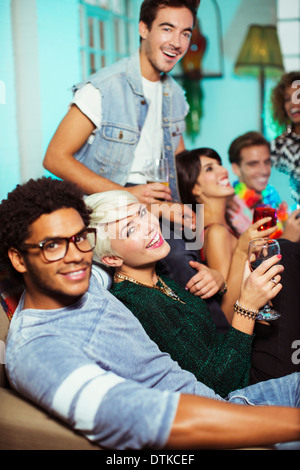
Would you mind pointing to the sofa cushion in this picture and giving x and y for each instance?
(10, 292)
(24, 426)
(4, 324)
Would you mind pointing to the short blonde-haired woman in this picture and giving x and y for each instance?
(129, 239)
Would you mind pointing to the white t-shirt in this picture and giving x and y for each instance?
(150, 145)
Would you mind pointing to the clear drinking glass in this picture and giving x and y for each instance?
(259, 250)
(157, 171)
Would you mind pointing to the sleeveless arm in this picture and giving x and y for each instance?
(223, 253)
(218, 248)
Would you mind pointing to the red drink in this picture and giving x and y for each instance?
(261, 212)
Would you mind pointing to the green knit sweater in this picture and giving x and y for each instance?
(188, 334)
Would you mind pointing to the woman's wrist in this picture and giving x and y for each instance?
(223, 288)
(242, 250)
(245, 311)
(248, 300)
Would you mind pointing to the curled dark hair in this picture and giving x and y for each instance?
(245, 140)
(27, 202)
(149, 8)
(188, 166)
(277, 98)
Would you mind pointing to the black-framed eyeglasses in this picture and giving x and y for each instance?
(55, 249)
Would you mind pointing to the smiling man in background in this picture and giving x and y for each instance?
(250, 158)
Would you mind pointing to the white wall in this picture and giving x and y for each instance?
(59, 60)
(27, 82)
(9, 152)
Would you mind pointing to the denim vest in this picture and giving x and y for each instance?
(124, 110)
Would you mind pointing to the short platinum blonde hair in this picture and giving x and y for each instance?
(107, 207)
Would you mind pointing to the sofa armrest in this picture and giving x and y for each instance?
(23, 426)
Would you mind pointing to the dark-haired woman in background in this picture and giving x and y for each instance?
(203, 180)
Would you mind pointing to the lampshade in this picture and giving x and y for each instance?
(261, 49)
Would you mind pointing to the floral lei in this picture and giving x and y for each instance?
(269, 197)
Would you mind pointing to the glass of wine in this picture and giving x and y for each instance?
(265, 211)
(259, 250)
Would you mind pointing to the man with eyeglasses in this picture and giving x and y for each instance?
(41, 254)
(54, 249)
(76, 351)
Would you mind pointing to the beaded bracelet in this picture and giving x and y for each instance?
(246, 312)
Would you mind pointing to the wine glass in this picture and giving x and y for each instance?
(265, 211)
(259, 250)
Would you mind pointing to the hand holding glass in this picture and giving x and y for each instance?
(259, 250)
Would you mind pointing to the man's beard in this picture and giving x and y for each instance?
(43, 285)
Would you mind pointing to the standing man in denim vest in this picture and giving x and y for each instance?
(129, 111)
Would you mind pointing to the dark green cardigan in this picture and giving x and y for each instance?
(188, 334)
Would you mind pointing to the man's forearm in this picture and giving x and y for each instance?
(202, 423)
(71, 134)
(68, 168)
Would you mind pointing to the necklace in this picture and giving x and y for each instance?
(164, 289)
